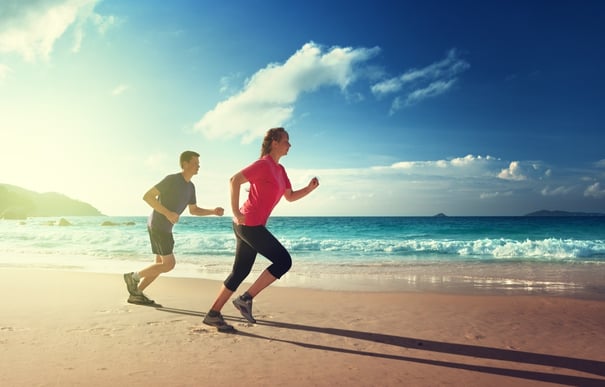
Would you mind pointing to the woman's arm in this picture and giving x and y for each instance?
(292, 196)
(235, 184)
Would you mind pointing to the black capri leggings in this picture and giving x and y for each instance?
(251, 240)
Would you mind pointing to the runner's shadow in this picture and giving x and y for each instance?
(529, 375)
(583, 365)
(181, 311)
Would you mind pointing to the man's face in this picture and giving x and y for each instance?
(192, 166)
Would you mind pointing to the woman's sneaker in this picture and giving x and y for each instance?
(245, 308)
(219, 322)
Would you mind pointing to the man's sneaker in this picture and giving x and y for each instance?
(219, 322)
(245, 308)
(131, 284)
(141, 299)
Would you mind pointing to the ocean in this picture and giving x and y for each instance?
(496, 255)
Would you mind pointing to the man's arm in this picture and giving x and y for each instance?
(198, 211)
(151, 198)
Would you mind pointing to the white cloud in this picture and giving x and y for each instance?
(432, 90)
(412, 187)
(227, 83)
(104, 23)
(389, 86)
(487, 171)
(600, 164)
(268, 97)
(595, 191)
(468, 185)
(31, 28)
(468, 165)
(397, 104)
(409, 165)
(493, 195)
(449, 67)
(558, 191)
(419, 84)
(470, 159)
(513, 172)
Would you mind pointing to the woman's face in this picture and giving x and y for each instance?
(283, 145)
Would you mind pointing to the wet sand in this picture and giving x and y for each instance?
(61, 328)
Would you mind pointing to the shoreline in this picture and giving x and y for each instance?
(464, 278)
(68, 328)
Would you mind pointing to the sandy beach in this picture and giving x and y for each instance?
(70, 328)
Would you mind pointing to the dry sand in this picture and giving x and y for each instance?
(69, 328)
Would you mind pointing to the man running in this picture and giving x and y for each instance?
(168, 198)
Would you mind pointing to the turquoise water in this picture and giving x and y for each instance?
(563, 255)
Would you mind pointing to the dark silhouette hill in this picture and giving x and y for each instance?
(19, 203)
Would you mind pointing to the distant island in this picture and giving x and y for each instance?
(562, 213)
(19, 203)
(539, 213)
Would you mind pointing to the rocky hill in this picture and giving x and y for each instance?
(19, 203)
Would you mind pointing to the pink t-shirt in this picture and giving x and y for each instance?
(268, 181)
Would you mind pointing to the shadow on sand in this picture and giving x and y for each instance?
(582, 365)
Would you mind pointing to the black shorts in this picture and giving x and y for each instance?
(162, 243)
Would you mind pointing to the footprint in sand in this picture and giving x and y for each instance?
(13, 329)
(156, 323)
(474, 336)
(99, 331)
(199, 330)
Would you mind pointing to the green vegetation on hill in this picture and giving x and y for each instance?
(19, 203)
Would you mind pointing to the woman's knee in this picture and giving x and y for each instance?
(281, 266)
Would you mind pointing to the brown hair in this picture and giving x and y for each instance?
(274, 134)
(187, 156)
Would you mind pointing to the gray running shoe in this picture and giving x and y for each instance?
(132, 285)
(218, 322)
(245, 308)
(141, 299)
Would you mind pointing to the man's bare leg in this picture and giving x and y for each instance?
(163, 265)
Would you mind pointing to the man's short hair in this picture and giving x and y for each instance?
(187, 156)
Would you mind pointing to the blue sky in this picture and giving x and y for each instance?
(400, 108)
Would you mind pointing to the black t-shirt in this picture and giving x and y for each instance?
(175, 194)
